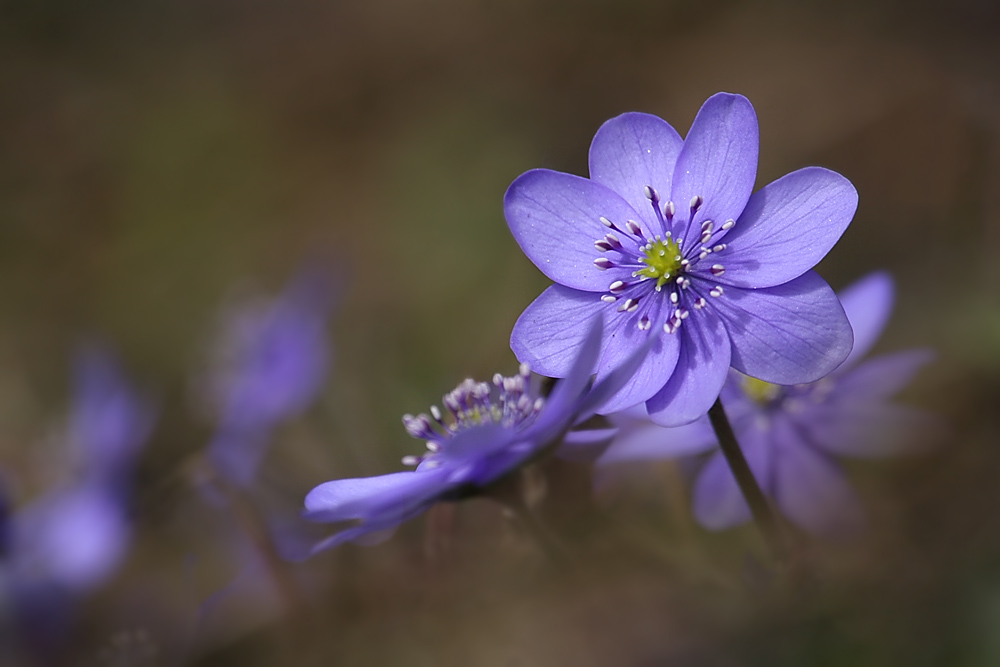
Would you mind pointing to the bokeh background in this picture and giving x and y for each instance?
(161, 160)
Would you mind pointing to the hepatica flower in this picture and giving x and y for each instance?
(74, 537)
(790, 434)
(275, 361)
(485, 432)
(666, 241)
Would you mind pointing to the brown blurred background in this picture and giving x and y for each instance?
(158, 159)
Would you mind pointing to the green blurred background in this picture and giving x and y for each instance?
(160, 159)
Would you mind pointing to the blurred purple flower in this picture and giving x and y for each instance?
(277, 358)
(685, 255)
(484, 434)
(790, 434)
(72, 539)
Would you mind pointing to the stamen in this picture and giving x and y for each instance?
(700, 303)
(719, 248)
(607, 298)
(411, 460)
(674, 298)
(603, 263)
(682, 313)
(629, 304)
(634, 228)
(729, 224)
(644, 323)
(618, 286)
(696, 203)
(606, 222)
(613, 241)
(718, 269)
(651, 195)
(602, 245)
(669, 210)
(716, 291)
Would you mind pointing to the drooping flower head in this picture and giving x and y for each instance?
(276, 359)
(790, 434)
(484, 433)
(667, 242)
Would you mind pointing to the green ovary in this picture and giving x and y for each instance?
(760, 392)
(662, 260)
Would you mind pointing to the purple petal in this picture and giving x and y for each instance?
(646, 441)
(871, 430)
(868, 304)
(368, 497)
(701, 371)
(634, 150)
(652, 373)
(561, 405)
(718, 162)
(788, 334)
(110, 422)
(811, 489)
(548, 334)
(585, 445)
(787, 227)
(881, 377)
(75, 538)
(555, 218)
(718, 502)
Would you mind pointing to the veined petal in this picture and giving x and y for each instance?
(718, 162)
(548, 334)
(561, 407)
(868, 304)
(718, 502)
(646, 441)
(652, 373)
(701, 371)
(788, 334)
(787, 227)
(811, 489)
(634, 150)
(369, 497)
(555, 218)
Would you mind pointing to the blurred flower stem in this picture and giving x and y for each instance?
(761, 510)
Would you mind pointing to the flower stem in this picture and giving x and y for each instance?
(761, 510)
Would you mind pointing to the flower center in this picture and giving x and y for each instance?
(510, 403)
(662, 258)
(760, 392)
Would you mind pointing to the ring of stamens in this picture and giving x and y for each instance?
(663, 259)
(510, 403)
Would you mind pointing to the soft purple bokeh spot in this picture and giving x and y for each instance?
(278, 359)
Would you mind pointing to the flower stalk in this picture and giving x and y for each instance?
(761, 510)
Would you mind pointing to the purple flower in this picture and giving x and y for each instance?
(790, 434)
(667, 242)
(73, 538)
(276, 361)
(483, 434)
